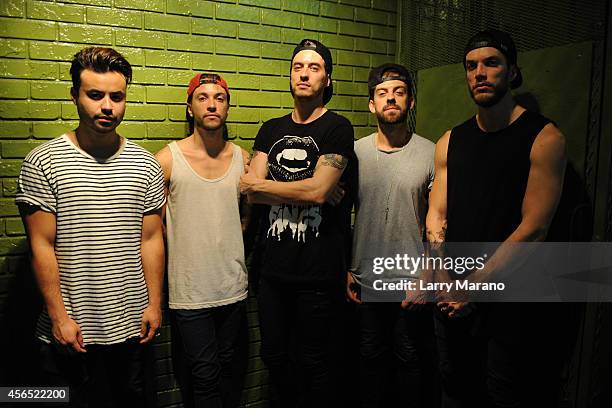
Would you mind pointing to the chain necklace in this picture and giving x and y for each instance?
(395, 179)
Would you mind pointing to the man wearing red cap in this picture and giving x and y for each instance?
(207, 278)
(498, 179)
(298, 161)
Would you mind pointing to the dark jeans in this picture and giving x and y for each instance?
(397, 356)
(105, 376)
(299, 343)
(210, 337)
(503, 355)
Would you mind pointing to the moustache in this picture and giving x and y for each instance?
(479, 84)
(391, 106)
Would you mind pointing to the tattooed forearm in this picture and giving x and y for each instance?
(436, 239)
(437, 236)
(334, 160)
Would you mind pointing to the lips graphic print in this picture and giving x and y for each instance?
(293, 158)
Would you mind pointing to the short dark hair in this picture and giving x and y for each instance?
(98, 59)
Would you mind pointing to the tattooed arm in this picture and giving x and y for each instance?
(436, 215)
(437, 224)
(548, 159)
(318, 189)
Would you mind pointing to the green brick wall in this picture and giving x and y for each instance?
(248, 41)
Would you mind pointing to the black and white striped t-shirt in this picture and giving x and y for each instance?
(99, 208)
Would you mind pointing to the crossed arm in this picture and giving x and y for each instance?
(318, 189)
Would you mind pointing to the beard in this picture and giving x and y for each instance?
(486, 100)
(401, 118)
(208, 125)
(98, 127)
(309, 93)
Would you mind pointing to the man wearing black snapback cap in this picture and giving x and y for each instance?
(499, 177)
(396, 169)
(297, 163)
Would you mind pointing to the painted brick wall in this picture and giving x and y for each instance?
(248, 41)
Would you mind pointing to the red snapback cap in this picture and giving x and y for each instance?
(206, 78)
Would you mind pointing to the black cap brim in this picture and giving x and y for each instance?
(518, 80)
(328, 92)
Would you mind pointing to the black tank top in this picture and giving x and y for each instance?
(487, 177)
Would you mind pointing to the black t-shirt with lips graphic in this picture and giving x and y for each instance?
(306, 244)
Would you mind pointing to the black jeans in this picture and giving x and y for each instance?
(397, 356)
(210, 337)
(299, 343)
(503, 355)
(106, 376)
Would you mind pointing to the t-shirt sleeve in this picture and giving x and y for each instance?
(262, 140)
(340, 140)
(155, 197)
(34, 187)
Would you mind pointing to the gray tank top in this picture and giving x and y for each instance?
(206, 265)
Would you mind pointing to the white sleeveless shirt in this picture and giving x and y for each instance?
(206, 265)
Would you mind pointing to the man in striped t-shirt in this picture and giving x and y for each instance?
(91, 202)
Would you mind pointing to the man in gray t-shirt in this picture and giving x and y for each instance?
(396, 169)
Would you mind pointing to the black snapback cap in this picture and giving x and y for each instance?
(500, 40)
(325, 53)
(397, 72)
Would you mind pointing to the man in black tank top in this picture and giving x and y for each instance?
(498, 178)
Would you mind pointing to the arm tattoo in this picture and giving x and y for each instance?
(334, 160)
(437, 238)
